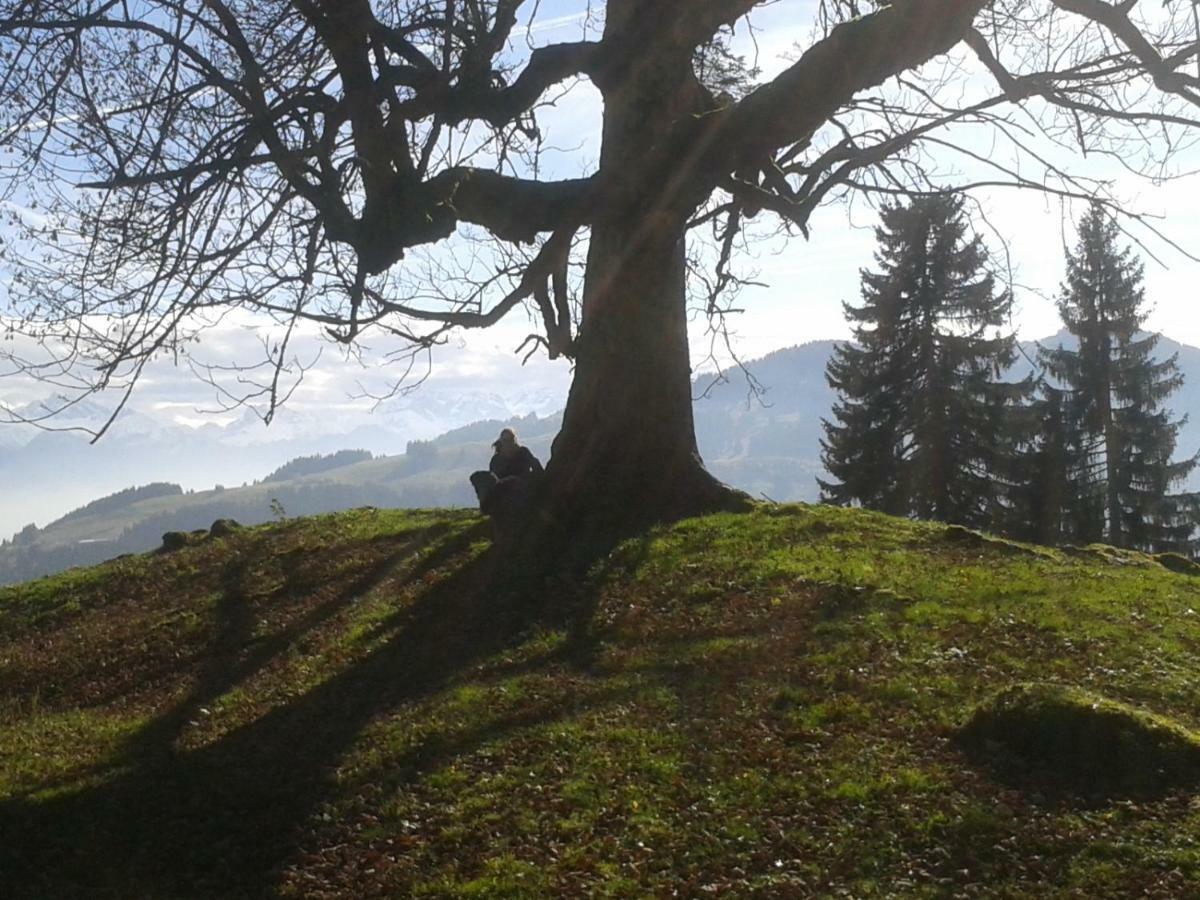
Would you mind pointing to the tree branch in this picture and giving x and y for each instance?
(1116, 20)
(455, 103)
(855, 56)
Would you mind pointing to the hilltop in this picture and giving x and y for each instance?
(767, 704)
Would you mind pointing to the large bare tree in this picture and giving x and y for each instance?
(170, 159)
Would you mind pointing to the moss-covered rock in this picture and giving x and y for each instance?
(977, 540)
(175, 540)
(1108, 555)
(224, 528)
(1177, 562)
(1068, 739)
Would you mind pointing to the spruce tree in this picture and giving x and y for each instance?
(1120, 474)
(1043, 500)
(921, 417)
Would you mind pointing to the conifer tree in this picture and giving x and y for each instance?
(921, 416)
(1043, 501)
(1119, 479)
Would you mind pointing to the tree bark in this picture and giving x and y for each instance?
(627, 451)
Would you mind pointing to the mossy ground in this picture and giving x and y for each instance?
(762, 704)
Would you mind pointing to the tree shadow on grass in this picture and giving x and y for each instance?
(222, 820)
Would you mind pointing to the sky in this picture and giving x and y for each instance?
(809, 280)
(806, 281)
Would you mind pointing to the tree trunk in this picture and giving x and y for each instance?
(1112, 453)
(627, 452)
(1112, 448)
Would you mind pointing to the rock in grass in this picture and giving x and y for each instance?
(1111, 556)
(175, 540)
(959, 534)
(1177, 562)
(977, 540)
(224, 528)
(1067, 739)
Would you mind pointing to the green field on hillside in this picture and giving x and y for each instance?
(760, 705)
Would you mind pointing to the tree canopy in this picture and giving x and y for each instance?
(170, 160)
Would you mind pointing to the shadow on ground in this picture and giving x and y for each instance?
(222, 820)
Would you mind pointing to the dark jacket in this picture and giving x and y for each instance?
(520, 463)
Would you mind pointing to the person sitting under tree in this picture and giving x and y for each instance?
(511, 469)
(511, 460)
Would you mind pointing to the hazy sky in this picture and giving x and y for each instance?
(807, 280)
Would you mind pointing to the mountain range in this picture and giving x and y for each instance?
(45, 474)
(763, 439)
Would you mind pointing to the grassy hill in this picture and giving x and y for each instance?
(770, 704)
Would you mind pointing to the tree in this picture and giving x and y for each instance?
(303, 159)
(923, 413)
(1042, 501)
(1121, 472)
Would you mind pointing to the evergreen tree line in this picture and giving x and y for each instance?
(927, 425)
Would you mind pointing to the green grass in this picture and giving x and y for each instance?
(744, 705)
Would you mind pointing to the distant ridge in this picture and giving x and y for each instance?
(766, 442)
